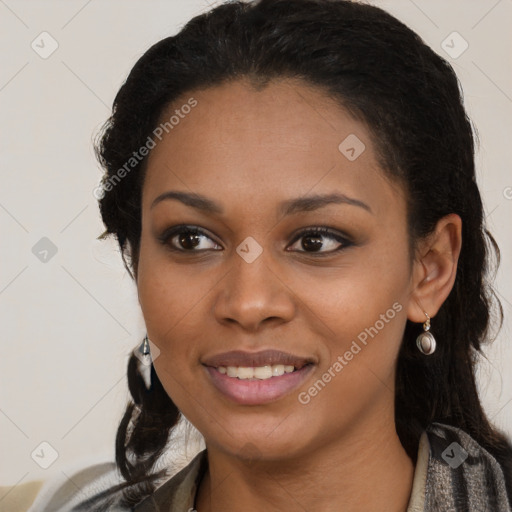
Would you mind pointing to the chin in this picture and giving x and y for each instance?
(260, 437)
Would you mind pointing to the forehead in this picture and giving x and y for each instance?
(284, 140)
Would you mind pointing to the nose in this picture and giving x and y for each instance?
(252, 294)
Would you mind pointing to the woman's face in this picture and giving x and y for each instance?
(256, 279)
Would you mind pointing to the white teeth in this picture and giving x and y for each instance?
(263, 372)
(232, 371)
(245, 373)
(259, 372)
(277, 369)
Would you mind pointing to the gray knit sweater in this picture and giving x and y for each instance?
(453, 474)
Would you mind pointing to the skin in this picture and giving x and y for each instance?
(249, 150)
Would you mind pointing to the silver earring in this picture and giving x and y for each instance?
(144, 355)
(145, 346)
(426, 342)
(143, 352)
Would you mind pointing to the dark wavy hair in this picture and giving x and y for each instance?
(410, 99)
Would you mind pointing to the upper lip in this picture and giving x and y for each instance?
(254, 359)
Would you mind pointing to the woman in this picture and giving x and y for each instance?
(292, 186)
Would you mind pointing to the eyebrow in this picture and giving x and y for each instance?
(288, 207)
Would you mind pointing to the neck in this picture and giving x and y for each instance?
(366, 469)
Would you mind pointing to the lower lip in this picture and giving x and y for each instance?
(256, 392)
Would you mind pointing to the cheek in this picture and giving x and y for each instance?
(364, 315)
(168, 309)
(172, 297)
(360, 310)
(346, 299)
(167, 291)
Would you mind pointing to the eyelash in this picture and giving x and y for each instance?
(319, 231)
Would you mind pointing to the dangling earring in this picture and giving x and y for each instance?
(142, 352)
(145, 346)
(426, 342)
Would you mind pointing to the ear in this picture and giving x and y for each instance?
(435, 268)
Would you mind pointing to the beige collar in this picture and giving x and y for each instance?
(417, 500)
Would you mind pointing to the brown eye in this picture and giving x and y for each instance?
(187, 239)
(314, 240)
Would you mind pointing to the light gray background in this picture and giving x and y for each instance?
(68, 324)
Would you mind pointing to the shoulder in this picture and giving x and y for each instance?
(462, 475)
(68, 491)
(101, 487)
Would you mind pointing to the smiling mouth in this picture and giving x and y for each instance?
(256, 378)
(256, 385)
(258, 372)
